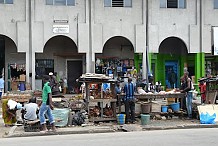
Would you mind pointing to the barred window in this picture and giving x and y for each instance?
(173, 4)
(118, 3)
(61, 2)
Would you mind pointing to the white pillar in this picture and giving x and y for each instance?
(27, 66)
(33, 70)
(144, 64)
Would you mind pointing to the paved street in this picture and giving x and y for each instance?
(188, 137)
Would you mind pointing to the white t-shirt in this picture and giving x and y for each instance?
(30, 109)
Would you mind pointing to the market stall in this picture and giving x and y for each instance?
(148, 97)
(100, 97)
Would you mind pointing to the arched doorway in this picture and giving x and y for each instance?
(12, 63)
(171, 51)
(60, 55)
(116, 58)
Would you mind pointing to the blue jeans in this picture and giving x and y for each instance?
(189, 104)
(45, 110)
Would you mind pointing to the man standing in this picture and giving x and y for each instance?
(46, 106)
(129, 101)
(187, 89)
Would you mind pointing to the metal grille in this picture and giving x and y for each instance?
(172, 3)
(117, 3)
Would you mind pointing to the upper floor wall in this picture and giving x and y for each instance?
(49, 15)
(110, 20)
(178, 19)
(14, 22)
(209, 15)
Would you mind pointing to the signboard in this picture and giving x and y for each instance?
(61, 29)
(215, 40)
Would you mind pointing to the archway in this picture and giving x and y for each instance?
(171, 50)
(60, 55)
(116, 58)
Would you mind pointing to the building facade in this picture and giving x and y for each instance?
(69, 36)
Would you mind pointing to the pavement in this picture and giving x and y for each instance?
(164, 124)
(174, 123)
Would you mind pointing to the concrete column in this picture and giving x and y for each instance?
(27, 66)
(88, 62)
(144, 66)
(33, 70)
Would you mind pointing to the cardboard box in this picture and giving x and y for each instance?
(22, 78)
(14, 86)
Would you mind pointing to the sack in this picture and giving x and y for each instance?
(207, 119)
(192, 86)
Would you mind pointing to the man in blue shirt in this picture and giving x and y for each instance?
(2, 84)
(129, 101)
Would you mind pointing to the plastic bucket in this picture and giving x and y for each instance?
(121, 118)
(175, 106)
(145, 119)
(145, 108)
(164, 108)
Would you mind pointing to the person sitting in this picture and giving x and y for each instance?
(9, 108)
(30, 110)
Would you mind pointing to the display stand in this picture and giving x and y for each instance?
(96, 99)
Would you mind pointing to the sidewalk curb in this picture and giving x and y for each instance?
(28, 134)
(144, 128)
(104, 130)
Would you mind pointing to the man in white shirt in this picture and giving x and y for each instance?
(30, 110)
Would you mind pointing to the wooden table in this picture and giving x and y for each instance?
(150, 97)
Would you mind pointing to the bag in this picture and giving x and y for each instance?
(207, 119)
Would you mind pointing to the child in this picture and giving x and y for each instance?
(202, 87)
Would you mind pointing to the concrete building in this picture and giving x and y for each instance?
(68, 36)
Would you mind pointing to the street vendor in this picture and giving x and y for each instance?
(9, 108)
(202, 87)
(129, 101)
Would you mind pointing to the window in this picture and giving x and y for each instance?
(215, 4)
(6, 1)
(61, 2)
(118, 3)
(173, 4)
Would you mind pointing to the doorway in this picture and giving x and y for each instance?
(171, 74)
(74, 71)
(2, 55)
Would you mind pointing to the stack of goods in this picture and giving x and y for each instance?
(108, 111)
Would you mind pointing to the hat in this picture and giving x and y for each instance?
(50, 74)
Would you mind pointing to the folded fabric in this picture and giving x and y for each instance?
(11, 104)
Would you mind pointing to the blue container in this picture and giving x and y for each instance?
(145, 119)
(164, 108)
(22, 87)
(121, 119)
(175, 106)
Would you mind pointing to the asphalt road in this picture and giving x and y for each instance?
(182, 137)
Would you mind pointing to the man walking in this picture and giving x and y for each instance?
(129, 101)
(46, 106)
